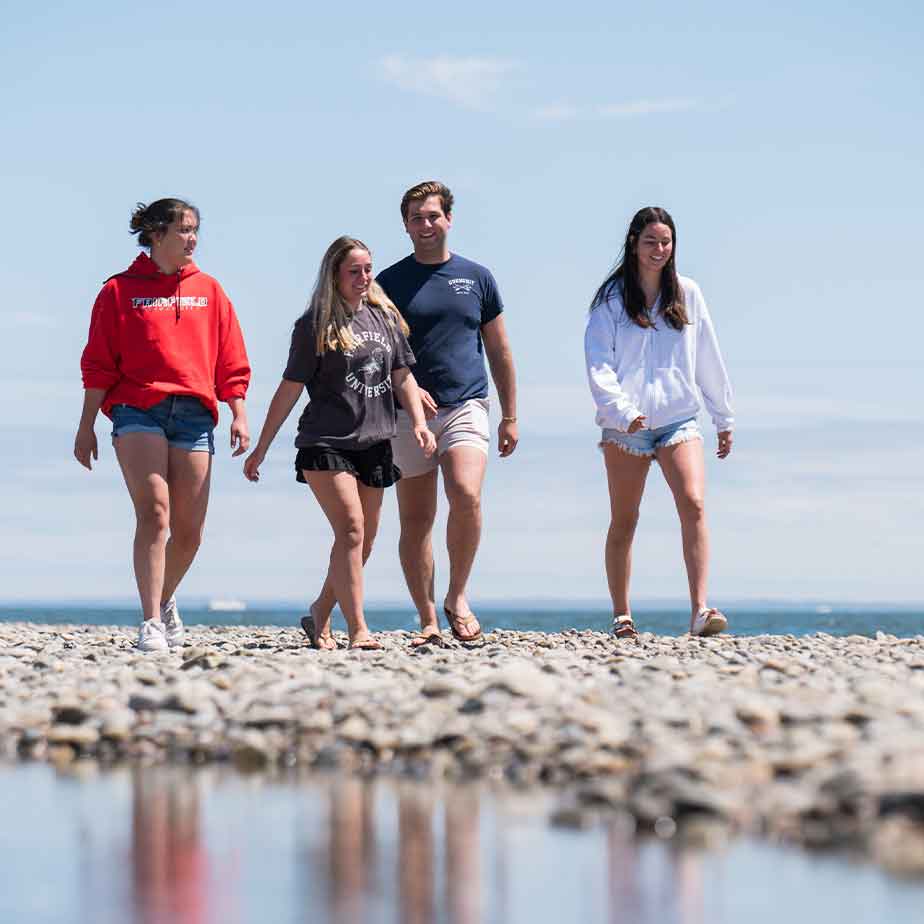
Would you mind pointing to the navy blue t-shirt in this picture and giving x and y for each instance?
(445, 305)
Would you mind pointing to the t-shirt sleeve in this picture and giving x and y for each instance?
(402, 354)
(491, 303)
(303, 353)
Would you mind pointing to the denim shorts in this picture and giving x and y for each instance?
(182, 420)
(646, 442)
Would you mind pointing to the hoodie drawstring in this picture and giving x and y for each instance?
(178, 277)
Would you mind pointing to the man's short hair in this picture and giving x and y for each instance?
(420, 192)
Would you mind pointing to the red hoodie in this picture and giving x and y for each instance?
(153, 335)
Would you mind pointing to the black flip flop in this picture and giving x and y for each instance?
(311, 630)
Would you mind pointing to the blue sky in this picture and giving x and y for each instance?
(787, 144)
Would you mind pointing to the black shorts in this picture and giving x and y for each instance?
(372, 466)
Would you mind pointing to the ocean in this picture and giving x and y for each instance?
(663, 618)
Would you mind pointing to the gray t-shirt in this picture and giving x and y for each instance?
(351, 404)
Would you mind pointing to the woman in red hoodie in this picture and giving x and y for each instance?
(164, 348)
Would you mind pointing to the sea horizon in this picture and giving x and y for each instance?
(661, 617)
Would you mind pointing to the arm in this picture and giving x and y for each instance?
(615, 409)
(410, 397)
(712, 378)
(286, 397)
(500, 361)
(85, 441)
(232, 375)
(240, 430)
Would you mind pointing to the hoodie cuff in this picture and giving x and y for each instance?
(724, 423)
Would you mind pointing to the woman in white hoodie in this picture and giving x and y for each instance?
(649, 346)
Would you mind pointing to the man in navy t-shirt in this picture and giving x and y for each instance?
(454, 310)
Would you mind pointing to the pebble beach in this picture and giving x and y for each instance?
(816, 740)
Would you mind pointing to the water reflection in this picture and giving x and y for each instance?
(204, 846)
(169, 859)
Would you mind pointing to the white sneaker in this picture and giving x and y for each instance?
(709, 622)
(152, 636)
(173, 625)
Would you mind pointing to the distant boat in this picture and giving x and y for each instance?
(824, 609)
(227, 606)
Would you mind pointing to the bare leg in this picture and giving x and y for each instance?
(417, 512)
(463, 475)
(371, 502)
(188, 478)
(684, 471)
(338, 495)
(143, 459)
(625, 475)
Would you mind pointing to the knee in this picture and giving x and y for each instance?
(464, 500)
(187, 535)
(351, 533)
(691, 507)
(154, 516)
(622, 525)
(417, 525)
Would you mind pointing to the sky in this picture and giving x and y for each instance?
(786, 141)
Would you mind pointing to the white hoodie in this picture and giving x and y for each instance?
(653, 372)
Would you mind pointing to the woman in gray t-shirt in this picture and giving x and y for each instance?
(349, 350)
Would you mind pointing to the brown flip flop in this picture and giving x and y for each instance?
(426, 640)
(369, 644)
(454, 619)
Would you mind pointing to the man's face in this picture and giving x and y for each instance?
(427, 225)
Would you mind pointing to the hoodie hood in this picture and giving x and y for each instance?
(144, 267)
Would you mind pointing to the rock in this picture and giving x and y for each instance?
(80, 735)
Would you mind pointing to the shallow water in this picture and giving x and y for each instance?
(183, 845)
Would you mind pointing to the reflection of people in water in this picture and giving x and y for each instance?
(169, 861)
(352, 849)
(417, 860)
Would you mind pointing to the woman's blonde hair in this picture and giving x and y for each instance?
(332, 314)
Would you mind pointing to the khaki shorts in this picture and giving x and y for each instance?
(463, 425)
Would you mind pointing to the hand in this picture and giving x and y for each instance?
(637, 424)
(508, 435)
(240, 436)
(85, 447)
(425, 439)
(252, 464)
(429, 405)
(725, 444)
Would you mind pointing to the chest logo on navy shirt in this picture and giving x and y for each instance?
(368, 379)
(460, 285)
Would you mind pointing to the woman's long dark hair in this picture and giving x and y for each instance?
(624, 278)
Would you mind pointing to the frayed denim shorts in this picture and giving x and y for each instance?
(646, 442)
(182, 420)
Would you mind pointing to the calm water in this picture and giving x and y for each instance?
(192, 846)
(746, 618)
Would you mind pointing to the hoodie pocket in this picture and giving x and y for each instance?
(670, 391)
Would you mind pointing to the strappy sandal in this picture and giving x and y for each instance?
(455, 620)
(314, 639)
(709, 621)
(624, 628)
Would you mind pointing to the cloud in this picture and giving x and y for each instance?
(566, 112)
(472, 83)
